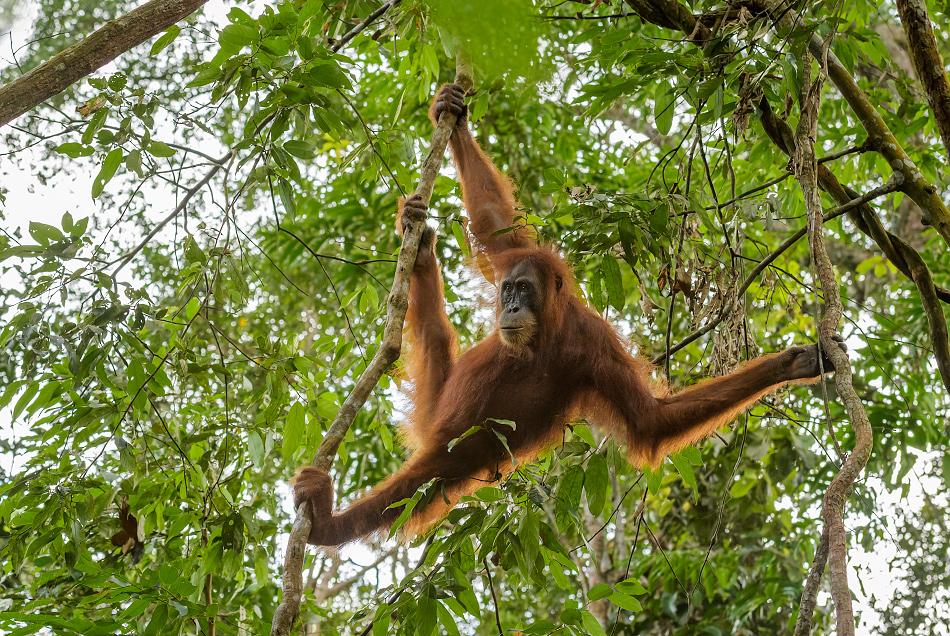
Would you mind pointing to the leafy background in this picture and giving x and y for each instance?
(187, 375)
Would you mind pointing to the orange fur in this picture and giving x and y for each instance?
(575, 364)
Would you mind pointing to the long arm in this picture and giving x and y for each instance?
(656, 426)
(432, 342)
(486, 192)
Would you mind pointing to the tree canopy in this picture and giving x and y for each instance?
(173, 345)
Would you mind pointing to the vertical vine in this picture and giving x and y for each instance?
(389, 349)
(833, 546)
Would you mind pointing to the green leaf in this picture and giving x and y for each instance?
(304, 47)
(158, 621)
(427, 611)
(234, 37)
(8, 393)
(630, 587)
(693, 455)
(133, 162)
(255, 448)
(286, 193)
(95, 123)
(708, 87)
(459, 234)
(408, 505)
(430, 59)
(599, 591)
(613, 282)
(301, 149)
(568, 497)
(296, 94)
(454, 442)
(659, 220)
(570, 487)
(207, 74)
(626, 602)
(504, 442)
(542, 626)
(628, 241)
(596, 291)
(165, 39)
(664, 110)
(488, 493)
(294, 429)
(45, 234)
(595, 483)
(479, 109)
(654, 478)
(328, 73)
(25, 399)
(381, 620)
(194, 253)
(448, 621)
(74, 150)
(584, 432)
(685, 470)
(277, 47)
(160, 149)
(591, 624)
(742, 486)
(192, 308)
(109, 166)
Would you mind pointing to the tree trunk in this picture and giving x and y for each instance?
(928, 63)
(112, 40)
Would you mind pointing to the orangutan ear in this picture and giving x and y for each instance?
(558, 282)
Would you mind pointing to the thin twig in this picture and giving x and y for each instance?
(359, 28)
(494, 598)
(765, 262)
(192, 191)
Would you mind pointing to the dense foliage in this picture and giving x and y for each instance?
(188, 371)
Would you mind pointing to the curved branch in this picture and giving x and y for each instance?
(806, 609)
(864, 217)
(287, 612)
(806, 169)
(935, 317)
(675, 15)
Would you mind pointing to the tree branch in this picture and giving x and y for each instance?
(936, 319)
(922, 46)
(864, 217)
(674, 15)
(913, 183)
(192, 191)
(287, 612)
(907, 260)
(806, 169)
(768, 260)
(86, 56)
(359, 28)
(806, 609)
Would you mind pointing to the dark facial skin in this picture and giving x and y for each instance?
(521, 300)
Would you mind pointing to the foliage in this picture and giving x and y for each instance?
(190, 379)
